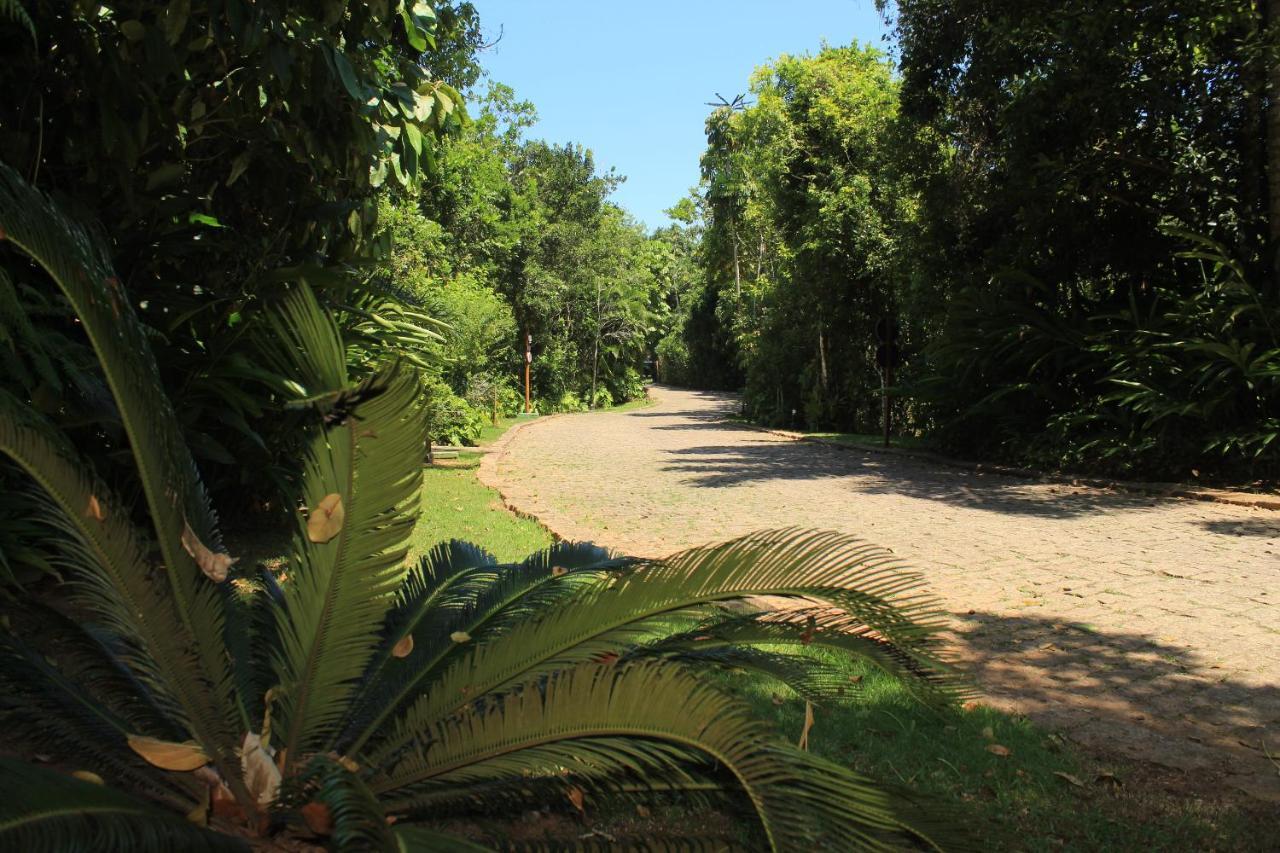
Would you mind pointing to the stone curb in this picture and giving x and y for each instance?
(1168, 490)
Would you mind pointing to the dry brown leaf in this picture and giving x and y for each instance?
(88, 776)
(642, 810)
(808, 724)
(578, 799)
(557, 571)
(811, 628)
(94, 510)
(777, 700)
(223, 804)
(1109, 778)
(318, 817)
(460, 637)
(325, 520)
(182, 757)
(1069, 778)
(997, 749)
(404, 647)
(214, 564)
(261, 775)
(345, 761)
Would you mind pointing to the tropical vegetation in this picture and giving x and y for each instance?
(359, 700)
(1067, 212)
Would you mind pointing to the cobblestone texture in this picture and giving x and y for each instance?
(1143, 626)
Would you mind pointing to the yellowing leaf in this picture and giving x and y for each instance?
(404, 647)
(460, 637)
(997, 749)
(326, 519)
(1069, 778)
(94, 509)
(88, 776)
(578, 799)
(808, 724)
(261, 775)
(182, 757)
(214, 564)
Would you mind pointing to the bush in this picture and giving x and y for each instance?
(485, 393)
(602, 400)
(672, 365)
(451, 419)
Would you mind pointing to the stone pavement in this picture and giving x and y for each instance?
(1141, 626)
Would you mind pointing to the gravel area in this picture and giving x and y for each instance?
(1136, 625)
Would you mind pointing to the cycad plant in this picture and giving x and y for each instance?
(363, 701)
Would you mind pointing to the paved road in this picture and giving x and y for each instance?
(1134, 624)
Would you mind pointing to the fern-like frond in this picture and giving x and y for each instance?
(479, 602)
(800, 801)
(359, 821)
(341, 589)
(612, 615)
(43, 811)
(175, 496)
(110, 572)
(12, 10)
(419, 839)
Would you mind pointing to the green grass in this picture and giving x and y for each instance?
(456, 506)
(1028, 799)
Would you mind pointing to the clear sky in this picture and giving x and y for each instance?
(629, 79)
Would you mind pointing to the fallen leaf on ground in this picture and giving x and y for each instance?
(808, 724)
(642, 810)
(325, 520)
(557, 571)
(169, 756)
(460, 637)
(94, 509)
(578, 799)
(988, 733)
(997, 749)
(88, 776)
(1069, 778)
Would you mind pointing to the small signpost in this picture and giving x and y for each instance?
(888, 356)
(528, 366)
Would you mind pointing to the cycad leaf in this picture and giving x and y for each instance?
(801, 801)
(174, 493)
(341, 589)
(42, 811)
(612, 616)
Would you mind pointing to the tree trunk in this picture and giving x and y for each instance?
(1271, 14)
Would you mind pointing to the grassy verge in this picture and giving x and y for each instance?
(1011, 784)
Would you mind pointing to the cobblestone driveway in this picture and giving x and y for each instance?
(1136, 625)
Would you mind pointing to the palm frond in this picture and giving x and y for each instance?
(610, 616)
(175, 496)
(43, 811)
(800, 801)
(111, 574)
(359, 822)
(11, 10)
(481, 601)
(341, 589)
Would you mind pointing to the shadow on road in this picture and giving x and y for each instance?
(726, 465)
(1127, 691)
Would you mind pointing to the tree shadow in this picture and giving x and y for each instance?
(1128, 693)
(716, 466)
(1244, 527)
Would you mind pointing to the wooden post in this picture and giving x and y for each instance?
(528, 365)
(886, 379)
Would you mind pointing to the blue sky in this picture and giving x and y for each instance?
(630, 80)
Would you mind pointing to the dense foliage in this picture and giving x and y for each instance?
(359, 701)
(1065, 208)
(518, 238)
